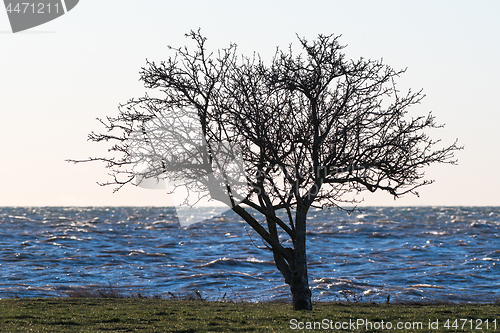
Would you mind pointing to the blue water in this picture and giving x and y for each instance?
(419, 253)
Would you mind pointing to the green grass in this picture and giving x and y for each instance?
(160, 315)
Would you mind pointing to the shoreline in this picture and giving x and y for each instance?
(197, 298)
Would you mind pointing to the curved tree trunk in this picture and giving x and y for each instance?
(299, 284)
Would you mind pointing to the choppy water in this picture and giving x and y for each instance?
(425, 253)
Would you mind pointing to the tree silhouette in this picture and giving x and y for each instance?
(304, 131)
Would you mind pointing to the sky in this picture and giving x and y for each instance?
(57, 78)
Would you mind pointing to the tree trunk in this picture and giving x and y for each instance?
(299, 286)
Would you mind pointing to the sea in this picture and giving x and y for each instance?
(374, 254)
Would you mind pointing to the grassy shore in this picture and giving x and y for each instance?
(159, 315)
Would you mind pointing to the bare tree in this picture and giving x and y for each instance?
(301, 132)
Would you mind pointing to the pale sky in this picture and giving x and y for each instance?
(56, 79)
